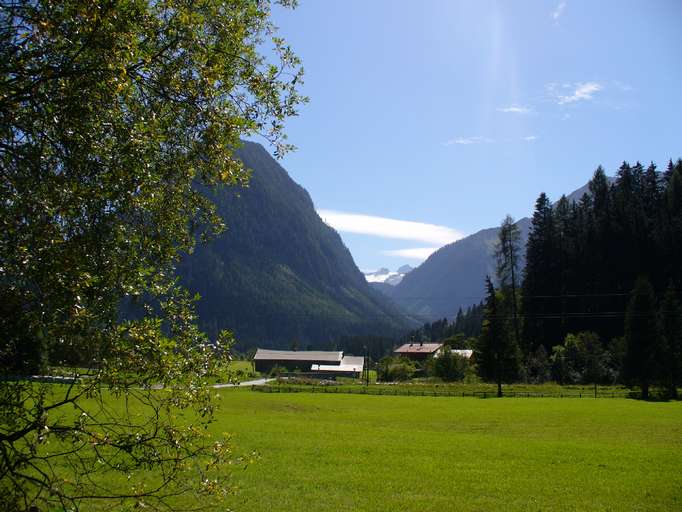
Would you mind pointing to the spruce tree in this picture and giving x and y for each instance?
(671, 327)
(497, 354)
(642, 338)
(538, 281)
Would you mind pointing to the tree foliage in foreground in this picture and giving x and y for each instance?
(111, 114)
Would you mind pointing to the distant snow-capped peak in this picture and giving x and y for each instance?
(383, 275)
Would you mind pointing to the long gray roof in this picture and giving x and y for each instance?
(297, 355)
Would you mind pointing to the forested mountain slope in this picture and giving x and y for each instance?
(279, 273)
(453, 276)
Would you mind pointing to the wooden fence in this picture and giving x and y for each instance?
(382, 391)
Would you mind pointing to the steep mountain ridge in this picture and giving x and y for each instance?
(279, 273)
(453, 276)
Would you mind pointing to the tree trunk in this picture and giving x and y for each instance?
(499, 388)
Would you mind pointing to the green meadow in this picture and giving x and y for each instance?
(404, 453)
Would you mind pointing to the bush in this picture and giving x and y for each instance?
(448, 366)
(391, 369)
(276, 371)
(581, 360)
(538, 367)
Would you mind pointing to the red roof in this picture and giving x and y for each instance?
(418, 348)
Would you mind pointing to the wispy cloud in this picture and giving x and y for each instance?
(514, 109)
(530, 138)
(558, 11)
(465, 141)
(384, 227)
(417, 253)
(581, 91)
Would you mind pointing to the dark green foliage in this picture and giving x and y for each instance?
(671, 329)
(375, 347)
(395, 369)
(448, 366)
(279, 272)
(581, 359)
(497, 355)
(507, 256)
(538, 366)
(538, 280)
(644, 364)
(582, 258)
(467, 324)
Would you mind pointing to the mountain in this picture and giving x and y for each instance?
(383, 275)
(453, 276)
(279, 274)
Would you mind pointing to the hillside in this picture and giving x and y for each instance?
(452, 277)
(279, 273)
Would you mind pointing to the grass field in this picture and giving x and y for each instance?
(381, 453)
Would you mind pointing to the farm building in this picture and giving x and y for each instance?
(351, 366)
(422, 351)
(418, 351)
(302, 360)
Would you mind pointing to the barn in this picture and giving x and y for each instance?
(351, 366)
(301, 360)
(322, 363)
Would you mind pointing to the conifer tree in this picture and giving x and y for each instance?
(537, 281)
(497, 353)
(507, 256)
(671, 327)
(642, 337)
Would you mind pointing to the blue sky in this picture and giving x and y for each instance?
(453, 114)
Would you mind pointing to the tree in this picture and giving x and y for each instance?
(585, 360)
(393, 369)
(497, 354)
(114, 118)
(642, 337)
(507, 256)
(538, 283)
(538, 366)
(448, 366)
(671, 324)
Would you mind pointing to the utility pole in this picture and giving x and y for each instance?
(366, 366)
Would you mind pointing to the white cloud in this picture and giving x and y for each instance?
(384, 227)
(467, 140)
(416, 253)
(530, 138)
(514, 109)
(583, 91)
(558, 11)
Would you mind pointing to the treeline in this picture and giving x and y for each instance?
(467, 324)
(598, 297)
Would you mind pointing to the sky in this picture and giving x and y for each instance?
(431, 120)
